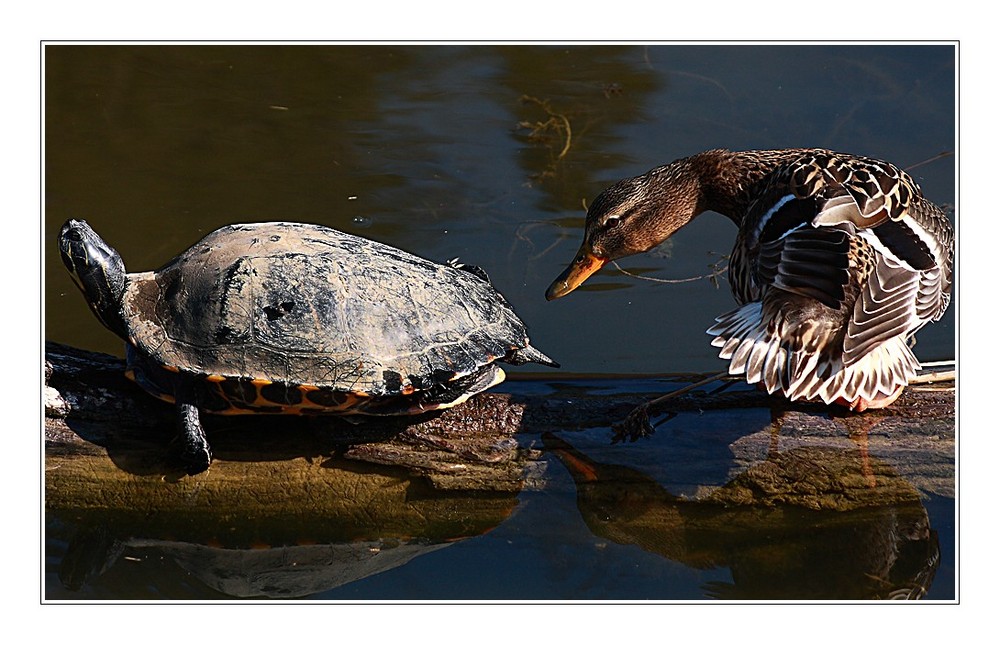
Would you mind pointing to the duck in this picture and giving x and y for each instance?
(838, 261)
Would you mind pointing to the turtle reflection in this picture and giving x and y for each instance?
(366, 521)
(809, 523)
(261, 571)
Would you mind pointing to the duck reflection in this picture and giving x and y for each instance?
(808, 523)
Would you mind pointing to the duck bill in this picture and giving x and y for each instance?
(583, 266)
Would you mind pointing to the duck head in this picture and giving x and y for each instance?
(632, 216)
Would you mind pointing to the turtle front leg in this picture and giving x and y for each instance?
(192, 450)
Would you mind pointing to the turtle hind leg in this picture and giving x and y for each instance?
(191, 446)
(438, 396)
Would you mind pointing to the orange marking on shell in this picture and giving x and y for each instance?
(260, 382)
(215, 378)
(171, 368)
(234, 411)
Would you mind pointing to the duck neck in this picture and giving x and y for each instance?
(726, 178)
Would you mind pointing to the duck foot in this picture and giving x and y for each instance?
(879, 402)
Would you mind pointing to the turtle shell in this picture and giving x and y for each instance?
(297, 317)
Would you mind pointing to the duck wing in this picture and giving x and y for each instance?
(839, 259)
(851, 232)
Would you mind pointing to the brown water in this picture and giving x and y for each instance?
(463, 151)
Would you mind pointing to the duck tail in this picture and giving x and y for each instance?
(805, 361)
(879, 374)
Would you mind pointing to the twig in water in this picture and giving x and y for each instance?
(717, 269)
(556, 121)
(520, 235)
(940, 155)
(637, 424)
(933, 377)
(687, 388)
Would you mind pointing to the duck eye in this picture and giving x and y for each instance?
(613, 221)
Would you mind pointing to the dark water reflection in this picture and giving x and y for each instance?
(788, 528)
(486, 153)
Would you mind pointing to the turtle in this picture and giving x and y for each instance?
(298, 318)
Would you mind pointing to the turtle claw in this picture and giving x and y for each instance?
(194, 459)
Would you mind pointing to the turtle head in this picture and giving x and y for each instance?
(97, 269)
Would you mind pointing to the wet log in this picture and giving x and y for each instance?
(104, 428)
